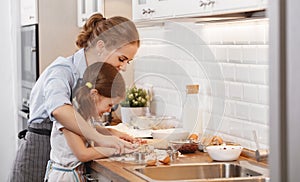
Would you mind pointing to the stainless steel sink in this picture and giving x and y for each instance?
(199, 172)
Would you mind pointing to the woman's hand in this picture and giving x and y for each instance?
(127, 137)
(122, 135)
(114, 142)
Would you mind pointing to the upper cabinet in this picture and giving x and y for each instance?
(149, 9)
(29, 12)
(85, 8)
(159, 9)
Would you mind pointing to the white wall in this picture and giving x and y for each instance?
(232, 55)
(8, 80)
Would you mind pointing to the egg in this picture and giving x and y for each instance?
(151, 163)
(166, 160)
(193, 136)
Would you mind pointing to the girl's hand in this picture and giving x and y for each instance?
(129, 151)
(107, 152)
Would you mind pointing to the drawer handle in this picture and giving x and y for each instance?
(89, 177)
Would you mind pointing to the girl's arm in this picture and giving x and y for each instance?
(81, 151)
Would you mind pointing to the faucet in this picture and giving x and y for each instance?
(260, 154)
(108, 116)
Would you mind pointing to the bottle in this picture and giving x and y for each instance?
(191, 120)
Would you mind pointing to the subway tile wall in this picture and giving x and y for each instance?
(238, 48)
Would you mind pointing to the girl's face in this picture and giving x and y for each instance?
(122, 56)
(104, 104)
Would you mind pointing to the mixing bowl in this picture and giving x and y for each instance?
(224, 152)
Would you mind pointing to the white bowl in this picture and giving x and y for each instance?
(170, 134)
(155, 122)
(144, 122)
(224, 152)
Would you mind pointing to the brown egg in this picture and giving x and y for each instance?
(216, 140)
(151, 163)
(193, 136)
(166, 160)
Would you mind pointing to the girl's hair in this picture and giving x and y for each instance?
(103, 77)
(115, 32)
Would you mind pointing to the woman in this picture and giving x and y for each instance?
(102, 87)
(115, 41)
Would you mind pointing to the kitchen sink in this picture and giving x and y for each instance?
(199, 172)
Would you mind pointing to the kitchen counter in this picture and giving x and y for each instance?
(108, 170)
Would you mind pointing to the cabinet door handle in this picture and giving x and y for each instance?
(33, 49)
(150, 10)
(89, 177)
(202, 3)
(83, 19)
(23, 114)
(211, 2)
(144, 11)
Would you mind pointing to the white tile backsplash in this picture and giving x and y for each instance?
(263, 94)
(251, 93)
(220, 53)
(258, 74)
(232, 71)
(259, 113)
(234, 53)
(228, 70)
(242, 110)
(242, 73)
(230, 108)
(262, 54)
(249, 54)
(235, 91)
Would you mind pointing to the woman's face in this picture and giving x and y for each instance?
(122, 56)
(104, 104)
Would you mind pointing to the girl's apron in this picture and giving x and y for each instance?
(56, 172)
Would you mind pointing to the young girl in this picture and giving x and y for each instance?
(115, 41)
(102, 87)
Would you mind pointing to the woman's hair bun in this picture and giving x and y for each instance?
(87, 30)
(114, 32)
(93, 20)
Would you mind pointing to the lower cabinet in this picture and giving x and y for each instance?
(94, 176)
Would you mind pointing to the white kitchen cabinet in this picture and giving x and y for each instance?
(152, 9)
(216, 7)
(191, 8)
(85, 8)
(29, 12)
(159, 9)
(235, 6)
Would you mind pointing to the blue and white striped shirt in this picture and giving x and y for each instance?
(54, 86)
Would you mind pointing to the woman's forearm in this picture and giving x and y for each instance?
(81, 151)
(103, 130)
(73, 121)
